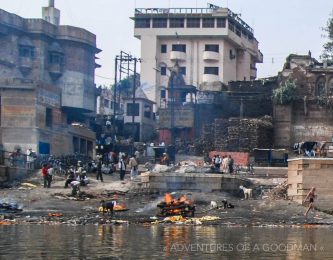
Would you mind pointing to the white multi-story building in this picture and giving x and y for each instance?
(212, 46)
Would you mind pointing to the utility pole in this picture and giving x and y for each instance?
(115, 85)
(125, 62)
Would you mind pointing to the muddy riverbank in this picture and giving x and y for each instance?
(56, 205)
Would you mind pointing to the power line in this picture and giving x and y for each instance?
(103, 77)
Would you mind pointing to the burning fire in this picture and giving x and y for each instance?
(169, 200)
(179, 206)
(119, 207)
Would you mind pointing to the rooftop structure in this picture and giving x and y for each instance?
(212, 46)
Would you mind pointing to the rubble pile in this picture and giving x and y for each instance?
(279, 192)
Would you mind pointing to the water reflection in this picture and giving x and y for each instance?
(164, 242)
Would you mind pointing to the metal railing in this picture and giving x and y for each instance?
(139, 11)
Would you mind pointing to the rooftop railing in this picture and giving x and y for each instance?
(167, 11)
(174, 10)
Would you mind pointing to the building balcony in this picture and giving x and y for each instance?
(253, 73)
(211, 56)
(55, 70)
(260, 57)
(25, 65)
(177, 55)
(210, 78)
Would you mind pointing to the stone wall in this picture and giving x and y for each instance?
(304, 173)
(192, 181)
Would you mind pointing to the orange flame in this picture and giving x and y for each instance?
(168, 198)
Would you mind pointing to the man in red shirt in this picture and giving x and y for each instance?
(45, 176)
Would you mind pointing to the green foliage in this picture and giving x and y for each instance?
(286, 93)
(328, 46)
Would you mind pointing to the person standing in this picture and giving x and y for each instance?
(30, 159)
(122, 167)
(133, 164)
(44, 174)
(310, 198)
(99, 170)
(231, 164)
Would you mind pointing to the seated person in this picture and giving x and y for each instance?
(83, 179)
(75, 187)
(165, 159)
(70, 178)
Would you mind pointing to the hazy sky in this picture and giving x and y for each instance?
(281, 27)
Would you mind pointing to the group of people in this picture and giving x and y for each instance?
(225, 164)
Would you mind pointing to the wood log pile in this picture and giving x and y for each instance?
(237, 134)
(205, 144)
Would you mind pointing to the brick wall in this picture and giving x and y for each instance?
(240, 158)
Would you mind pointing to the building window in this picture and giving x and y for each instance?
(179, 47)
(26, 51)
(163, 48)
(193, 22)
(48, 117)
(132, 109)
(211, 70)
(163, 71)
(147, 111)
(106, 103)
(182, 70)
(231, 26)
(163, 93)
(56, 58)
(142, 23)
(238, 31)
(160, 23)
(231, 55)
(208, 23)
(176, 22)
(321, 87)
(212, 47)
(220, 22)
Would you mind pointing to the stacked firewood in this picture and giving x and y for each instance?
(206, 143)
(236, 134)
(220, 129)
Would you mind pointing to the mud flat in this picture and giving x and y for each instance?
(57, 206)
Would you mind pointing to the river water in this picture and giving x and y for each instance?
(164, 242)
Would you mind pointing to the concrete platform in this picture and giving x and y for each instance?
(193, 181)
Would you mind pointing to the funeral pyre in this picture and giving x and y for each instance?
(172, 207)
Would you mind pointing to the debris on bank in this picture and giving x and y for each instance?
(279, 192)
(186, 221)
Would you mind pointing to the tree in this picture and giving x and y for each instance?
(286, 93)
(328, 46)
(125, 86)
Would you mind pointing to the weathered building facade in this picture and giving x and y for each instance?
(212, 46)
(309, 116)
(46, 84)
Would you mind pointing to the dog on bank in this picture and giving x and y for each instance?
(107, 206)
(213, 204)
(247, 192)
